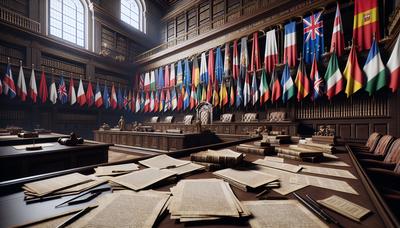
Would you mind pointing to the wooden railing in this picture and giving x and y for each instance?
(19, 20)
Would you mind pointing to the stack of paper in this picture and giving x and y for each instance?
(114, 170)
(204, 199)
(278, 165)
(224, 158)
(180, 167)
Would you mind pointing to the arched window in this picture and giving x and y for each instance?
(132, 12)
(67, 20)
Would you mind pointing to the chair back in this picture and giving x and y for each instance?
(188, 119)
(393, 155)
(383, 145)
(227, 117)
(372, 141)
(154, 119)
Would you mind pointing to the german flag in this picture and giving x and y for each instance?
(366, 23)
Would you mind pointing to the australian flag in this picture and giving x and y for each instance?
(313, 37)
(62, 91)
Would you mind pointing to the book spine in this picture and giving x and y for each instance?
(251, 150)
(289, 157)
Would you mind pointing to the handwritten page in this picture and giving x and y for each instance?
(322, 182)
(251, 178)
(277, 165)
(328, 171)
(163, 161)
(345, 207)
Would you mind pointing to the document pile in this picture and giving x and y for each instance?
(180, 167)
(115, 170)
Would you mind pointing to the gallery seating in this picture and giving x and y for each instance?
(169, 119)
(277, 116)
(380, 151)
(188, 120)
(370, 145)
(390, 160)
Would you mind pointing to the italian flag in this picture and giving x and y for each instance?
(394, 67)
(333, 78)
(375, 70)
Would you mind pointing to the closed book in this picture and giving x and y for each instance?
(255, 150)
(297, 153)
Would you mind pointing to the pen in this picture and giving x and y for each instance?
(313, 202)
(95, 193)
(310, 207)
(76, 216)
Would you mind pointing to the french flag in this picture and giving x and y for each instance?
(290, 45)
(8, 81)
(98, 100)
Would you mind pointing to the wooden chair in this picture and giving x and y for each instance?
(227, 118)
(390, 160)
(380, 151)
(370, 145)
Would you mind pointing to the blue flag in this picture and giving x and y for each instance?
(161, 83)
(142, 101)
(187, 76)
(62, 91)
(179, 74)
(156, 78)
(239, 93)
(313, 37)
(219, 67)
(120, 98)
(106, 97)
(186, 99)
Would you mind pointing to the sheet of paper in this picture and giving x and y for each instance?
(274, 159)
(282, 214)
(335, 163)
(277, 165)
(163, 161)
(328, 171)
(115, 169)
(184, 169)
(23, 147)
(344, 207)
(322, 182)
(251, 178)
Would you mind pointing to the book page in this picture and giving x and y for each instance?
(117, 168)
(344, 207)
(184, 169)
(328, 171)
(277, 165)
(322, 182)
(249, 178)
(163, 161)
(274, 159)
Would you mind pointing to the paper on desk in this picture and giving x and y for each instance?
(335, 163)
(23, 147)
(322, 182)
(277, 165)
(328, 171)
(163, 161)
(344, 207)
(251, 178)
(274, 159)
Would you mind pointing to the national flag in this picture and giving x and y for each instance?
(246, 90)
(333, 77)
(172, 79)
(394, 66)
(227, 61)
(187, 79)
(98, 100)
(192, 98)
(271, 51)
(81, 94)
(147, 81)
(89, 94)
(219, 67)
(313, 37)
(316, 80)
(254, 89)
(366, 23)
(120, 98)
(151, 106)
(166, 77)
(152, 80)
(276, 90)
(337, 42)
(198, 94)
(53, 92)
(195, 71)
(209, 92)
(223, 95)
(21, 85)
(132, 100)
(181, 93)
(167, 104)
(239, 92)
(157, 79)
(32, 86)
(162, 101)
(62, 91)
(232, 95)
(71, 92)
(186, 98)
(264, 89)
(288, 89)
(352, 73)
(1, 87)
(174, 100)
(235, 62)
(8, 83)
(106, 97)
(113, 98)
(161, 81)
(142, 102)
(203, 69)
(290, 44)
(255, 54)
(211, 75)
(43, 92)
(203, 93)
(146, 107)
(137, 103)
(215, 97)
(179, 74)
(156, 101)
(375, 70)
(244, 59)
(302, 81)
(141, 81)
(125, 101)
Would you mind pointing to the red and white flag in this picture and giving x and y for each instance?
(235, 62)
(81, 94)
(394, 66)
(290, 46)
(147, 81)
(89, 94)
(271, 51)
(32, 87)
(21, 85)
(113, 100)
(71, 92)
(337, 42)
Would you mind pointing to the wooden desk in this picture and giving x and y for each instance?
(156, 140)
(17, 212)
(10, 140)
(21, 163)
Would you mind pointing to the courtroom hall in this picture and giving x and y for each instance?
(200, 113)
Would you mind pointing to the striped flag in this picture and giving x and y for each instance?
(223, 95)
(161, 82)
(203, 93)
(227, 61)
(113, 97)
(71, 92)
(352, 73)
(174, 100)
(179, 74)
(166, 77)
(235, 62)
(98, 100)
(81, 96)
(288, 89)
(209, 93)
(232, 95)
(187, 79)
(89, 94)
(313, 37)
(246, 90)
(302, 82)
(53, 91)
(203, 69)
(43, 92)
(142, 101)
(62, 91)
(195, 72)
(137, 103)
(239, 92)
(375, 70)
(290, 45)
(181, 94)
(333, 78)
(255, 54)
(162, 101)
(172, 75)
(316, 80)
(125, 102)
(211, 75)
(366, 23)
(141, 81)
(120, 98)
(151, 106)
(193, 97)
(215, 97)
(271, 51)
(32, 86)
(167, 104)
(21, 85)
(186, 98)
(394, 66)
(254, 89)
(106, 97)
(337, 42)
(276, 90)
(8, 83)
(152, 80)
(264, 89)
(244, 58)
(147, 81)
(219, 67)
(146, 105)
(156, 101)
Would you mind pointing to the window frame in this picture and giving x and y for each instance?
(127, 13)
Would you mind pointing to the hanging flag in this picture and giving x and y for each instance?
(215, 97)
(62, 91)
(107, 102)
(203, 69)
(288, 89)
(302, 81)
(239, 92)
(1, 87)
(255, 55)
(179, 74)
(246, 90)
(264, 89)
(394, 66)
(142, 102)
(141, 81)
(131, 100)
(352, 73)
(232, 96)
(53, 92)
(219, 67)
(365, 24)
(254, 89)
(157, 79)
(203, 93)
(81, 94)
(151, 106)
(152, 80)
(98, 100)
(174, 101)
(32, 86)
(198, 94)
(156, 101)
(146, 107)
(137, 103)
(271, 51)
(21, 85)
(187, 79)
(290, 44)
(166, 77)
(113, 98)
(313, 37)
(276, 91)
(161, 82)
(71, 92)
(167, 104)
(211, 75)
(375, 70)
(337, 42)
(89, 94)
(244, 59)
(8, 83)
(227, 61)
(223, 95)
(120, 98)
(317, 80)
(181, 93)
(147, 81)
(172, 75)
(186, 98)
(195, 72)
(43, 94)
(192, 98)
(125, 102)
(162, 101)
(333, 78)
(209, 92)
(235, 62)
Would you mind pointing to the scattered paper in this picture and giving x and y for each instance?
(328, 171)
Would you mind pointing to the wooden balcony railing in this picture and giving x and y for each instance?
(16, 19)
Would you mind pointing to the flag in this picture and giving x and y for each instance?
(316, 80)
(172, 75)
(337, 42)
(157, 79)
(366, 23)
(239, 93)
(352, 73)
(288, 89)
(180, 94)
(195, 72)
(62, 91)
(302, 81)
(227, 60)
(53, 92)
(106, 97)
(179, 74)
(255, 55)
(71, 92)
(146, 107)
(98, 100)
(89, 94)
(8, 83)
(333, 78)
(232, 95)
(211, 75)
(275, 87)
(198, 94)
(21, 85)
(152, 80)
(156, 101)
(203, 93)
(313, 37)
(162, 101)
(186, 98)
(81, 94)
(43, 94)
(246, 90)
(151, 106)
(113, 98)
(167, 104)
(271, 51)
(264, 89)
(187, 79)
(375, 70)
(203, 69)
(215, 97)
(146, 81)
(120, 98)
(174, 101)
(141, 82)
(394, 66)
(142, 102)
(131, 100)
(223, 95)
(254, 89)
(137, 103)
(235, 62)
(1, 88)
(166, 77)
(192, 98)
(125, 101)
(32, 86)
(209, 93)
(290, 44)
(219, 67)
(161, 81)
(244, 59)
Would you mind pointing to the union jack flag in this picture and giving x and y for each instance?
(62, 91)
(313, 37)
